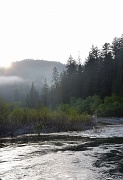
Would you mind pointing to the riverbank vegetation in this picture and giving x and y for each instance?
(74, 96)
(15, 120)
(77, 115)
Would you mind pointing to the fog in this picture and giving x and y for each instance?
(9, 80)
(16, 81)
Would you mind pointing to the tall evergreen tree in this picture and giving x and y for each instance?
(91, 73)
(45, 97)
(71, 70)
(71, 66)
(117, 46)
(64, 87)
(106, 71)
(33, 97)
(55, 92)
(79, 78)
(55, 78)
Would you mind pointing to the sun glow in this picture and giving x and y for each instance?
(5, 64)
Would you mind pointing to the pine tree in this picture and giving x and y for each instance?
(90, 73)
(55, 78)
(45, 93)
(33, 97)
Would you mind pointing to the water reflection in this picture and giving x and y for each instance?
(74, 155)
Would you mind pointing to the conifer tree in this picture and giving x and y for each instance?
(33, 97)
(45, 93)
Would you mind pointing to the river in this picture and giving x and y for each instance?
(95, 154)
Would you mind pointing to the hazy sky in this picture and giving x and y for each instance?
(55, 29)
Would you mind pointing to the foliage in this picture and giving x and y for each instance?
(89, 105)
(63, 118)
(101, 74)
(81, 90)
(112, 107)
(5, 109)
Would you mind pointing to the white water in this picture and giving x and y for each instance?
(89, 155)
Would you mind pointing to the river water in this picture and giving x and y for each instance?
(95, 154)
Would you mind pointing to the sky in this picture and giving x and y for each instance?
(55, 29)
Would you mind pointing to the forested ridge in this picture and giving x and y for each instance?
(73, 96)
(16, 80)
(101, 75)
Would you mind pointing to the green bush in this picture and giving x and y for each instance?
(5, 109)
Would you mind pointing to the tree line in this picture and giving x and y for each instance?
(81, 90)
(101, 74)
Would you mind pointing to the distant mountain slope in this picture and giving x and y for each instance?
(33, 70)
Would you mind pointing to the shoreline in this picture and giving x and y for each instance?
(27, 130)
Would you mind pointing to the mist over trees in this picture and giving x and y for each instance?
(67, 97)
(101, 75)
(15, 82)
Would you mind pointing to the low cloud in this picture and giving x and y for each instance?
(4, 80)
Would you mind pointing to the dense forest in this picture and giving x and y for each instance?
(101, 76)
(74, 94)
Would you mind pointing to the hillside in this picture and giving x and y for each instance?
(16, 80)
(33, 70)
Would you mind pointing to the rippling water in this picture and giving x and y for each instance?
(89, 155)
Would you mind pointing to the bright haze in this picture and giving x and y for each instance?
(55, 29)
